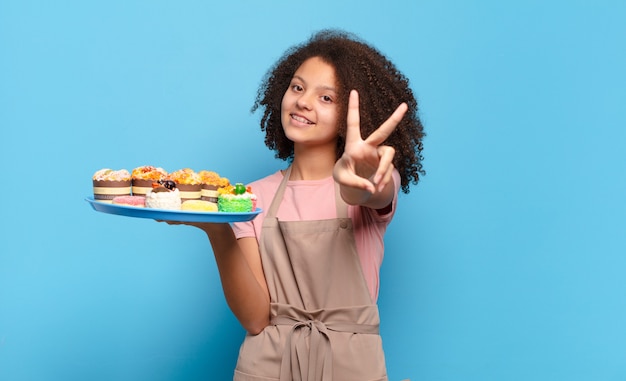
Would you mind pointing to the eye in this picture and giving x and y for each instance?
(327, 99)
(296, 87)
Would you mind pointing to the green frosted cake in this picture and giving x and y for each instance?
(238, 198)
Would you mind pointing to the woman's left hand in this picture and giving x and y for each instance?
(367, 164)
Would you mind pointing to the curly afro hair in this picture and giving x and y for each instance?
(381, 86)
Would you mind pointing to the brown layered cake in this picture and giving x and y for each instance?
(143, 177)
(211, 181)
(188, 183)
(108, 184)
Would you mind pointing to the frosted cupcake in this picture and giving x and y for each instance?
(211, 181)
(143, 177)
(163, 196)
(108, 184)
(188, 183)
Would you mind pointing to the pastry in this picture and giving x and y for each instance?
(199, 206)
(188, 183)
(163, 195)
(143, 177)
(136, 201)
(237, 198)
(108, 184)
(210, 182)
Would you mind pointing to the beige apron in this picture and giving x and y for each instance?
(324, 325)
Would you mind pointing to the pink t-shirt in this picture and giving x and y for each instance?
(315, 200)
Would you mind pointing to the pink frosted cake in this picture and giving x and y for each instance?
(136, 201)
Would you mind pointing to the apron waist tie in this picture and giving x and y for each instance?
(315, 363)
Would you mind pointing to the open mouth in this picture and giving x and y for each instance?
(300, 119)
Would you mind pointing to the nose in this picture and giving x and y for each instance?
(304, 101)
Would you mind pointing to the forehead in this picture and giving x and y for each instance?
(317, 72)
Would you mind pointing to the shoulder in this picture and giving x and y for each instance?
(265, 188)
(267, 183)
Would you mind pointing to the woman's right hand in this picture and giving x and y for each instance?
(204, 226)
(364, 171)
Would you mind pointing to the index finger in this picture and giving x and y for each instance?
(382, 133)
(353, 131)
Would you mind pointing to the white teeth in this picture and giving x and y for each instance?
(300, 119)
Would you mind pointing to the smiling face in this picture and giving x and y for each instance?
(309, 109)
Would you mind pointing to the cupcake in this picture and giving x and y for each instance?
(210, 182)
(143, 177)
(163, 195)
(188, 183)
(108, 183)
(238, 198)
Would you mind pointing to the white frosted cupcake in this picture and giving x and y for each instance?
(163, 198)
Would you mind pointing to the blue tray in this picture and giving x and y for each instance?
(171, 215)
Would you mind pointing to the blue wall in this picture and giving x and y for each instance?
(506, 263)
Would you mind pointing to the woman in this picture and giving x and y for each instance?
(302, 278)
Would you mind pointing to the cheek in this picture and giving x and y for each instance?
(332, 118)
(284, 107)
(287, 99)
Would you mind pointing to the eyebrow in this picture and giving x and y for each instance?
(331, 88)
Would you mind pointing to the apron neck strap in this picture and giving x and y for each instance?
(278, 197)
(342, 207)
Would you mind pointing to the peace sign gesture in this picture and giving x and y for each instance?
(366, 165)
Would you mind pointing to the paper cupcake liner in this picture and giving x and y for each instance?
(141, 187)
(209, 193)
(105, 191)
(189, 191)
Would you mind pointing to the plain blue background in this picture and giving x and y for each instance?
(506, 262)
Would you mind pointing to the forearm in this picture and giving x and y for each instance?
(359, 196)
(245, 292)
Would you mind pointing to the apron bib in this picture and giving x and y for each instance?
(324, 325)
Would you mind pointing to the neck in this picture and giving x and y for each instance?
(312, 164)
